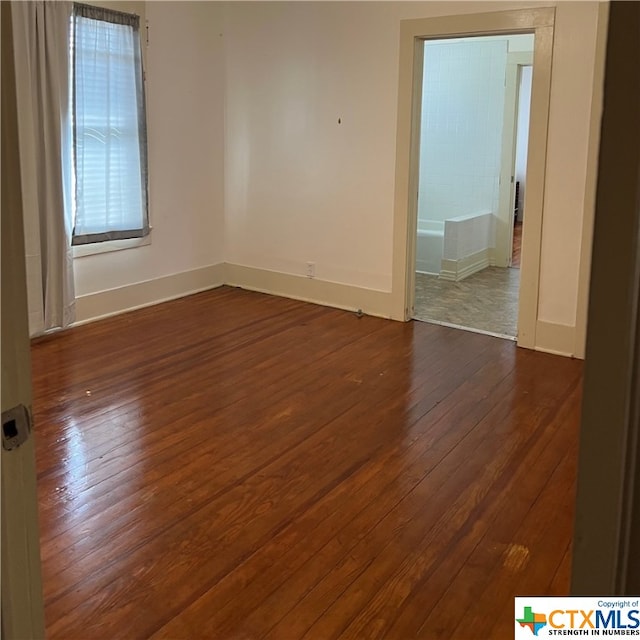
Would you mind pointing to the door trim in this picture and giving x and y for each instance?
(504, 229)
(22, 603)
(540, 22)
(590, 183)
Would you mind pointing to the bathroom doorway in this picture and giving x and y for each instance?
(474, 131)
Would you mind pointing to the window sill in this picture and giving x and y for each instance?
(84, 250)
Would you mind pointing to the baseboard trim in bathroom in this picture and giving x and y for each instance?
(456, 270)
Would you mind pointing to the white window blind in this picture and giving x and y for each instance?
(109, 129)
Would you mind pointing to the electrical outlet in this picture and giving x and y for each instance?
(311, 269)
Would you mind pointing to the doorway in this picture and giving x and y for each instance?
(473, 133)
(413, 33)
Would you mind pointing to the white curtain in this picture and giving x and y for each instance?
(42, 82)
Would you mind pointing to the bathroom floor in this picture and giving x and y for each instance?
(486, 301)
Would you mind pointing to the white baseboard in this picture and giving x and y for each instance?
(103, 304)
(558, 339)
(422, 266)
(331, 294)
(456, 270)
(550, 337)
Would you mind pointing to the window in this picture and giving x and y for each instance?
(109, 148)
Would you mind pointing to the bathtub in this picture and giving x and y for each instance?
(429, 247)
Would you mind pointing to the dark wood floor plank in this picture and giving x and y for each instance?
(421, 537)
(235, 443)
(376, 488)
(495, 547)
(245, 466)
(289, 429)
(237, 508)
(185, 429)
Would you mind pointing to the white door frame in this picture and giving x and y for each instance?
(22, 603)
(504, 227)
(540, 22)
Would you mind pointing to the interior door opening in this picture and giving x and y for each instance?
(474, 121)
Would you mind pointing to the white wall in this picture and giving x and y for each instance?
(461, 127)
(295, 185)
(467, 235)
(568, 141)
(300, 186)
(185, 107)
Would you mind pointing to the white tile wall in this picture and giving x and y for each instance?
(461, 130)
(468, 234)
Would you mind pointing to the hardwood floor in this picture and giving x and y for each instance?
(517, 245)
(235, 465)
